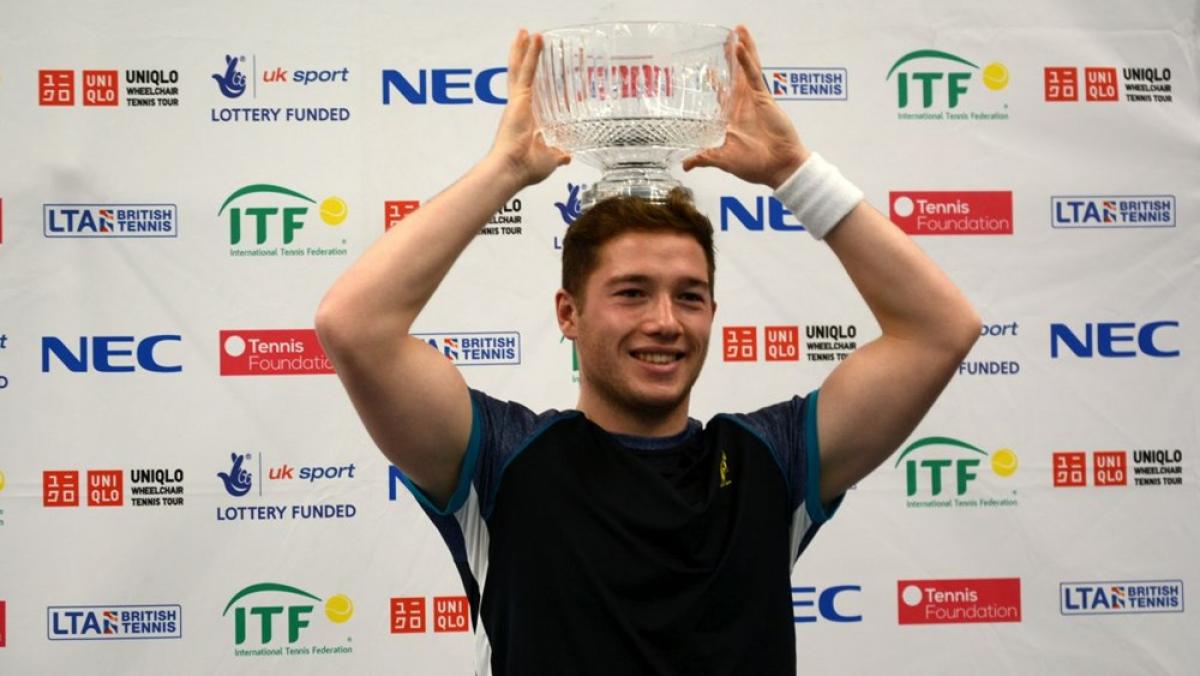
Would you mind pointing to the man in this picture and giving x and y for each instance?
(622, 537)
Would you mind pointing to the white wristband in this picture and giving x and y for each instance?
(818, 195)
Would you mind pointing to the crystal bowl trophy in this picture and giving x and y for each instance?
(633, 98)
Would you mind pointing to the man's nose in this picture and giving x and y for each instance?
(661, 318)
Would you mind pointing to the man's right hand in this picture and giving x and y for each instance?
(518, 142)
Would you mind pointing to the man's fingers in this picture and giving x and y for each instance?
(750, 69)
(529, 60)
(516, 52)
(745, 38)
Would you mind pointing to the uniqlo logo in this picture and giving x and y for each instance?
(451, 613)
(100, 88)
(105, 488)
(408, 615)
(56, 87)
(60, 488)
(1070, 469)
(1101, 84)
(781, 343)
(740, 343)
(1062, 84)
(394, 211)
(1109, 468)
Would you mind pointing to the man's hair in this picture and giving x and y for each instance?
(615, 216)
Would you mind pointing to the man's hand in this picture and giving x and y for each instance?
(518, 142)
(761, 145)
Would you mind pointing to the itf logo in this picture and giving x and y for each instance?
(962, 460)
(283, 613)
(941, 81)
(277, 214)
(959, 601)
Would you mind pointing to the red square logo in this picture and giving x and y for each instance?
(60, 488)
(1062, 84)
(1070, 469)
(451, 613)
(3, 629)
(959, 601)
(394, 211)
(408, 615)
(105, 488)
(1101, 84)
(1109, 468)
(100, 88)
(740, 343)
(56, 87)
(781, 343)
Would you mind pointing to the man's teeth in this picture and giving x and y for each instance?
(655, 357)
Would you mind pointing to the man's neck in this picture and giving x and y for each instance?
(639, 423)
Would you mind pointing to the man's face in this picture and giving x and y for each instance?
(642, 327)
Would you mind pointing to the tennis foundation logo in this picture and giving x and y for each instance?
(113, 623)
(278, 620)
(963, 601)
(267, 220)
(977, 212)
(941, 472)
(1121, 598)
(272, 352)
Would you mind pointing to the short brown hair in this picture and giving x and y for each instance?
(616, 216)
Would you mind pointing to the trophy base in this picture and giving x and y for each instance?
(649, 182)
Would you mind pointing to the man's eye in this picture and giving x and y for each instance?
(630, 293)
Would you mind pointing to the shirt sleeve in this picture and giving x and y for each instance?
(789, 429)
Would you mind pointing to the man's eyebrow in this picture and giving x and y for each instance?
(687, 282)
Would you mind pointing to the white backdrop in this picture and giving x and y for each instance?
(1086, 279)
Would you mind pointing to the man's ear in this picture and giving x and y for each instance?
(566, 310)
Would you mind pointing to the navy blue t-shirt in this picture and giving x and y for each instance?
(586, 552)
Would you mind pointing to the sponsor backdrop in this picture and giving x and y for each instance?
(185, 488)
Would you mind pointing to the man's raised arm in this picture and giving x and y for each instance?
(413, 401)
(874, 399)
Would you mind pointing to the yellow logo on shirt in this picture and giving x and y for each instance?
(725, 480)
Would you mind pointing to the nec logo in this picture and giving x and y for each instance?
(774, 218)
(805, 598)
(448, 86)
(1111, 339)
(109, 354)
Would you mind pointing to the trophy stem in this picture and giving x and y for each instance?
(651, 182)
